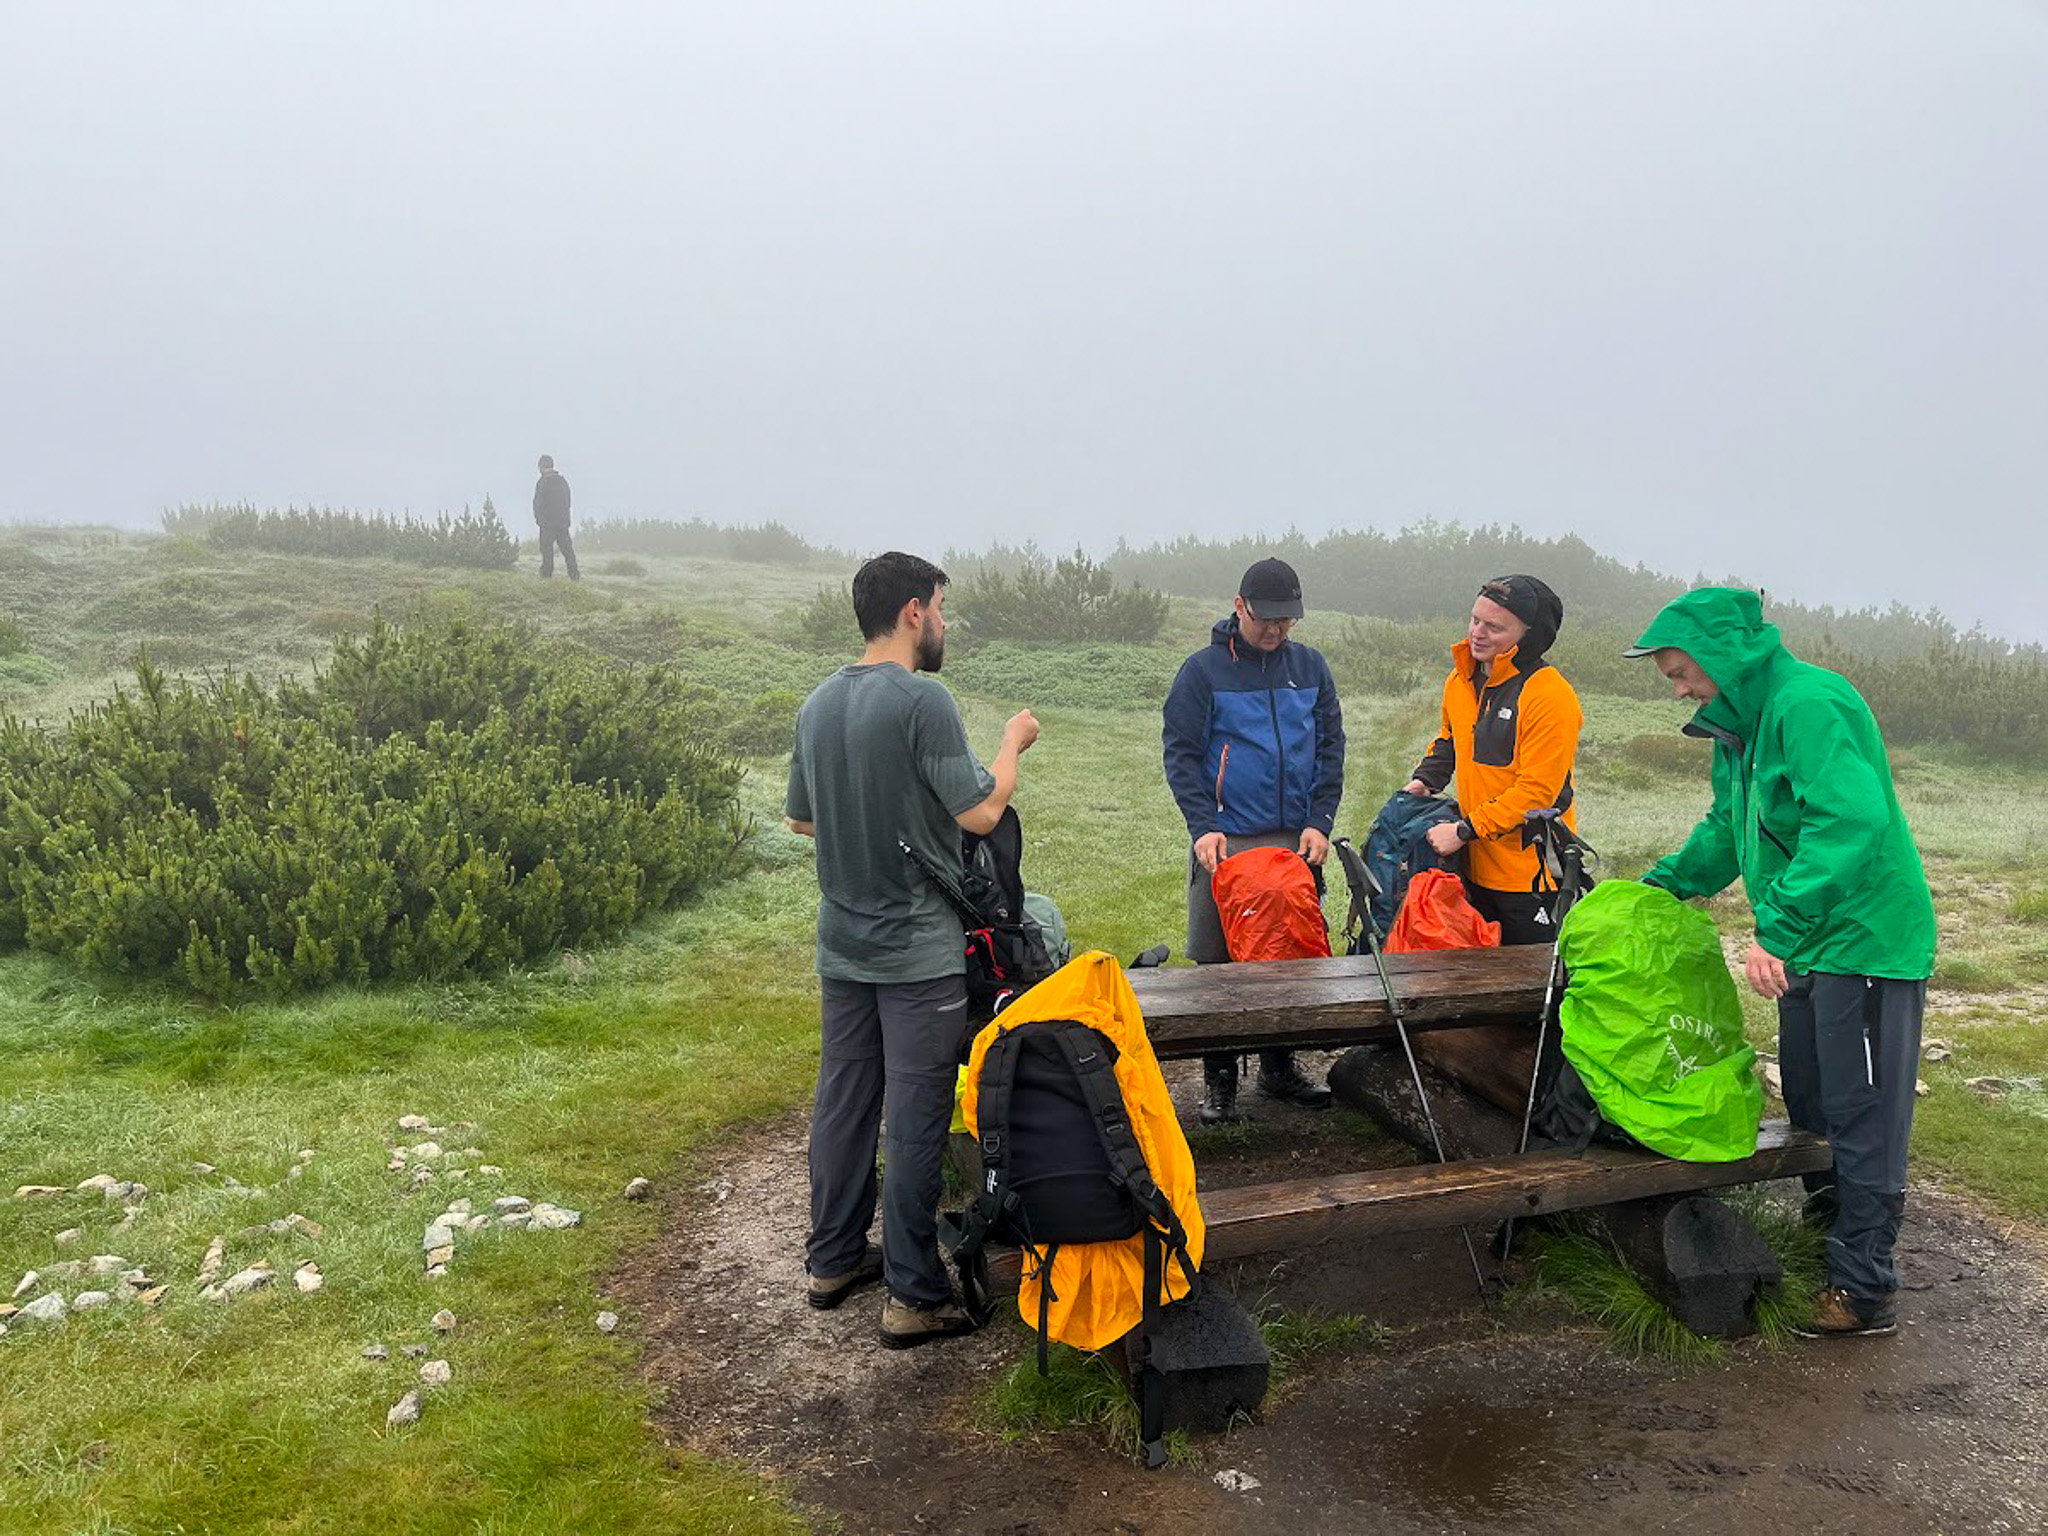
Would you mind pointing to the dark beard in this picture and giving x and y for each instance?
(930, 653)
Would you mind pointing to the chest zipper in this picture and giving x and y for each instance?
(1222, 763)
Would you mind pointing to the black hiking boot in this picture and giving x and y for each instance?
(1219, 1090)
(1838, 1315)
(1280, 1078)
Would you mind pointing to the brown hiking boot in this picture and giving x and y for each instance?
(827, 1291)
(904, 1326)
(1838, 1315)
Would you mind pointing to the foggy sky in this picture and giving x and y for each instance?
(1721, 287)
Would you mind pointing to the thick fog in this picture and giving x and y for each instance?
(1723, 287)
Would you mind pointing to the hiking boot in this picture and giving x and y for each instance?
(905, 1326)
(1838, 1315)
(1282, 1079)
(827, 1291)
(1219, 1090)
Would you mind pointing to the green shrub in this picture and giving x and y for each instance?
(476, 539)
(825, 623)
(13, 635)
(765, 544)
(2031, 906)
(766, 726)
(444, 799)
(1069, 599)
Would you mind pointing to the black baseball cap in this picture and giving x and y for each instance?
(1271, 590)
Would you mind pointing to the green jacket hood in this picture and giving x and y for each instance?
(1723, 629)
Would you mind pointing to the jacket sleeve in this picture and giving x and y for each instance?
(1706, 865)
(1546, 743)
(1844, 814)
(1187, 745)
(1329, 752)
(537, 487)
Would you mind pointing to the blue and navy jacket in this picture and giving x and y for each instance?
(1254, 739)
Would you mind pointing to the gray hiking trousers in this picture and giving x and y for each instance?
(1849, 1052)
(1206, 944)
(900, 1043)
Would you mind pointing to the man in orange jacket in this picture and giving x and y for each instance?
(1510, 734)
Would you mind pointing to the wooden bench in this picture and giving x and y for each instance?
(1194, 1010)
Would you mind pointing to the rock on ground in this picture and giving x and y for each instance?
(405, 1411)
(243, 1281)
(444, 1321)
(607, 1322)
(376, 1352)
(307, 1278)
(638, 1189)
(436, 1373)
(49, 1308)
(555, 1218)
(85, 1301)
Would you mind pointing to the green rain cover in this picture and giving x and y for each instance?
(1653, 1025)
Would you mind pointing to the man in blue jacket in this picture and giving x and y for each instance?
(1255, 759)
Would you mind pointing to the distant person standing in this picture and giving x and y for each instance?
(551, 513)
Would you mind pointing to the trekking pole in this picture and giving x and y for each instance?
(1379, 959)
(1569, 869)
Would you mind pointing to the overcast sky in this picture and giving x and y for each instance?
(1759, 287)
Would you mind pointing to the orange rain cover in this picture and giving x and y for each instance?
(1099, 1288)
(1267, 900)
(1436, 915)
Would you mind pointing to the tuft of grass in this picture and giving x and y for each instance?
(1583, 1267)
(1081, 1390)
(2031, 906)
(1294, 1338)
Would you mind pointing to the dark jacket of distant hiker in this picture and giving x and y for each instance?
(551, 500)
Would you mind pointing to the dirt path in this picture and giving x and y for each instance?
(1460, 1423)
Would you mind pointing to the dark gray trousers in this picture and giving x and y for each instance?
(900, 1042)
(552, 539)
(1849, 1053)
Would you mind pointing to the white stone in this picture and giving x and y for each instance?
(37, 1191)
(436, 1236)
(46, 1309)
(28, 1283)
(416, 1351)
(68, 1236)
(1230, 1480)
(85, 1301)
(294, 1171)
(124, 1189)
(209, 1267)
(1920, 1088)
(1774, 1080)
(607, 1322)
(297, 1223)
(515, 1219)
(421, 1177)
(203, 1169)
(444, 1321)
(412, 1122)
(105, 1264)
(307, 1278)
(512, 1203)
(376, 1352)
(305, 1154)
(555, 1218)
(638, 1189)
(489, 1171)
(96, 1183)
(405, 1411)
(471, 1154)
(243, 1281)
(476, 1223)
(136, 1279)
(436, 1373)
(436, 1271)
(440, 1258)
(153, 1295)
(425, 1150)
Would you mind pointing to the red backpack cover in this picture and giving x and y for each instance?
(1267, 900)
(1436, 915)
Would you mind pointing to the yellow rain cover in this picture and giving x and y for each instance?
(1099, 1288)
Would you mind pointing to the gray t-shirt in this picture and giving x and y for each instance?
(880, 755)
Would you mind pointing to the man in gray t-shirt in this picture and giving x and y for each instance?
(881, 759)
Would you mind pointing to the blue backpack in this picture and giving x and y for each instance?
(1398, 846)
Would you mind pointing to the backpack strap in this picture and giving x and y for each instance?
(1093, 1069)
(948, 888)
(969, 1240)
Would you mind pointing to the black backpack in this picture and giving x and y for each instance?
(1006, 954)
(1060, 1164)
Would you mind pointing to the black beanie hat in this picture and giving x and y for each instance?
(1534, 604)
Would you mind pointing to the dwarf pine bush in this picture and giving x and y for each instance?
(444, 799)
(465, 538)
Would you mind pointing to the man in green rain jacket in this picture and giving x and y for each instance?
(1804, 812)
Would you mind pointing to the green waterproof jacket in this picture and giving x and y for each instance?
(1803, 804)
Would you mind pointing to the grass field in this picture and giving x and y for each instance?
(642, 1058)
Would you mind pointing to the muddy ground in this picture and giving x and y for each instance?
(1461, 1420)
